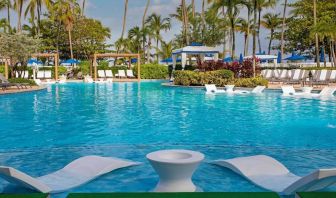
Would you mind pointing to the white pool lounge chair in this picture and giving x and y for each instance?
(332, 77)
(212, 89)
(297, 77)
(269, 74)
(101, 74)
(76, 173)
(258, 89)
(326, 92)
(40, 75)
(122, 74)
(108, 74)
(47, 74)
(130, 74)
(322, 78)
(270, 174)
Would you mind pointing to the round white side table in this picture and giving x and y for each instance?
(175, 169)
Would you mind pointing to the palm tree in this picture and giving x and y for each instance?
(4, 24)
(193, 8)
(157, 24)
(124, 19)
(316, 36)
(18, 5)
(271, 22)
(179, 15)
(136, 35)
(66, 11)
(244, 27)
(166, 49)
(261, 4)
(248, 4)
(255, 6)
(185, 17)
(143, 28)
(6, 4)
(36, 5)
(232, 12)
(203, 17)
(83, 7)
(282, 42)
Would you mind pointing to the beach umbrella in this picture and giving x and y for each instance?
(241, 58)
(322, 56)
(279, 57)
(33, 62)
(295, 57)
(228, 60)
(170, 60)
(134, 60)
(72, 61)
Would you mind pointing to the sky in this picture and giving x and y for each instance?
(110, 12)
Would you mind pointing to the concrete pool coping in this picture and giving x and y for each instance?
(15, 90)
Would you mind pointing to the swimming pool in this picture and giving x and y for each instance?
(41, 132)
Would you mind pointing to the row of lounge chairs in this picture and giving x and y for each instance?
(298, 76)
(261, 170)
(120, 74)
(229, 89)
(5, 84)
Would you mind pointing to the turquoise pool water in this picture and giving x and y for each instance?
(43, 131)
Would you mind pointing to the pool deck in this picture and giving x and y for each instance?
(14, 90)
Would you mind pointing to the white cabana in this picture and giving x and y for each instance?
(193, 50)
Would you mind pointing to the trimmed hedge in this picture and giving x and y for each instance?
(194, 78)
(22, 80)
(152, 71)
(219, 78)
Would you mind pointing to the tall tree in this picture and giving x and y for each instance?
(262, 4)
(255, 9)
(143, 28)
(185, 19)
(244, 27)
(232, 12)
(272, 22)
(18, 5)
(282, 42)
(158, 24)
(66, 11)
(124, 19)
(248, 4)
(34, 8)
(317, 50)
(6, 4)
(193, 8)
(83, 7)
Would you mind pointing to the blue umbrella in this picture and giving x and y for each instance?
(134, 60)
(170, 60)
(72, 61)
(322, 56)
(34, 62)
(228, 59)
(241, 58)
(295, 58)
(279, 57)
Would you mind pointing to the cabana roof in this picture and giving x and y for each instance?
(196, 50)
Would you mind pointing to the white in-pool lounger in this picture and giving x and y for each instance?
(76, 173)
(212, 89)
(270, 174)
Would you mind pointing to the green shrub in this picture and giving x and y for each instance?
(194, 78)
(84, 67)
(22, 80)
(152, 71)
(250, 82)
(2, 69)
